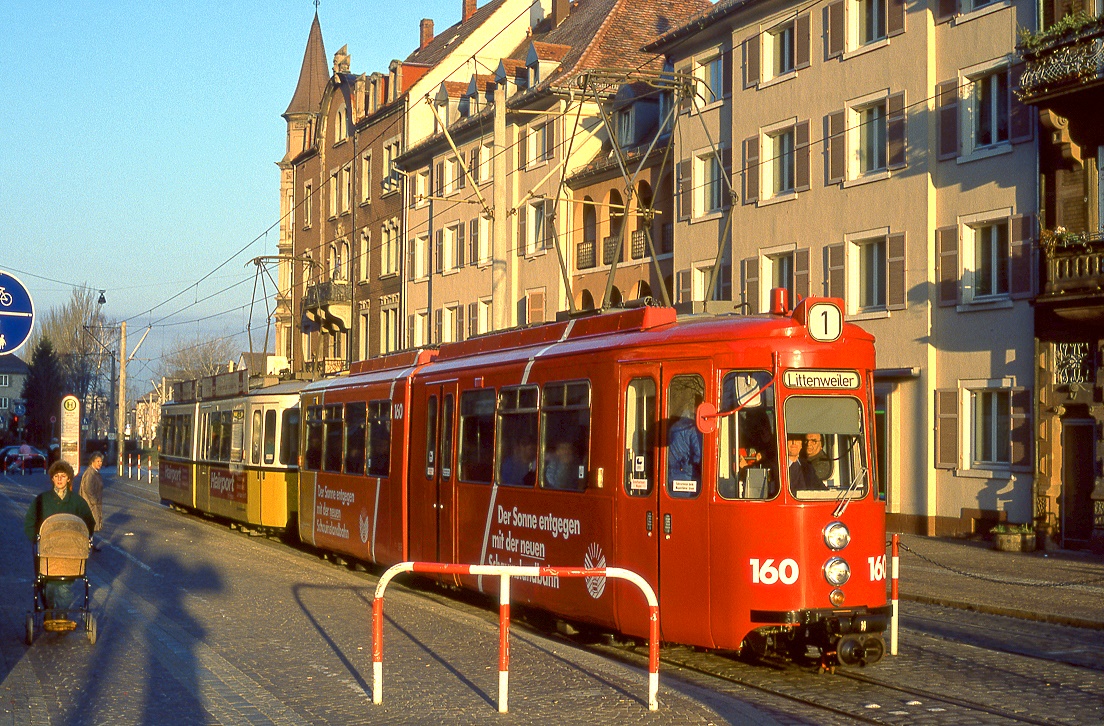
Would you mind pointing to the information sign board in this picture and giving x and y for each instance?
(70, 431)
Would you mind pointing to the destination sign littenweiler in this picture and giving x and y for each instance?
(821, 379)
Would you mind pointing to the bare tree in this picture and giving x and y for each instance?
(186, 359)
(82, 339)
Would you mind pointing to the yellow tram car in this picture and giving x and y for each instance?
(232, 451)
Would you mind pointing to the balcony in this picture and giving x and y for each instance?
(639, 245)
(1073, 285)
(585, 257)
(612, 249)
(324, 366)
(1065, 57)
(329, 304)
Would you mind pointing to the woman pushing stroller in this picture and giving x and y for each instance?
(60, 499)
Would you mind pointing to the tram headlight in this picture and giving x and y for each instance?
(836, 598)
(837, 571)
(836, 536)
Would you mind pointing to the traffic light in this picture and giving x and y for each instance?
(13, 425)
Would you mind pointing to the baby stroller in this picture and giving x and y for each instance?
(60, 559)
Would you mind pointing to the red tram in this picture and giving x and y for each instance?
(726, 459)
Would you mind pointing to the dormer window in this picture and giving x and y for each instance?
(626, 133)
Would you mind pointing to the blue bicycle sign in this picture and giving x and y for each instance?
(16, 314)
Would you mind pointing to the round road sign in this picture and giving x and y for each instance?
(16, 314)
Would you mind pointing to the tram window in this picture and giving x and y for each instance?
(826, 447)
(431, 437)
(270, 436)
(566, 426)
(747, 458)
(517, 436)
(355, 425)
(332, 450)
(444, 456)
(379, 438)
(313, 456)
(640, 414)
(214, 435)
(684, 441)
(184, 447)
(255, 437)
(166, 435)
(233, 435)
(477, 418)
(289, 437)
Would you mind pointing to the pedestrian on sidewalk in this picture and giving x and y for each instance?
(91, 489)
(57, 500)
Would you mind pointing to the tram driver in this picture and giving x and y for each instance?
(802, 475)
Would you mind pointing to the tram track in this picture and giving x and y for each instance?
(864, 706)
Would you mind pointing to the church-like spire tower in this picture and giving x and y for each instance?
(313, 76)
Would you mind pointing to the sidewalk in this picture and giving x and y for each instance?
(1064, 587)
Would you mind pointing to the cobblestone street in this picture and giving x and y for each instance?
(200, 624)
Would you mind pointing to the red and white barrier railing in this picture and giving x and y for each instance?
(505, 572)
(895, 561)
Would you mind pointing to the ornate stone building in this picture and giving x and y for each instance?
(1064, 80)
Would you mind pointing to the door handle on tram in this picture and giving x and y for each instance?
(667, 525)
(649, 521)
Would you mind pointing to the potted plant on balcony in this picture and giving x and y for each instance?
(1014, 537)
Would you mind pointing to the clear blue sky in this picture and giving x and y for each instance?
(139, 141)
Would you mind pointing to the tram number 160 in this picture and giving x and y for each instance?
(767, 573)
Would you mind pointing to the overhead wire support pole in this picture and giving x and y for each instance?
(555, 218)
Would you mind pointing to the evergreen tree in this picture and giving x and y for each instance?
(43, 391)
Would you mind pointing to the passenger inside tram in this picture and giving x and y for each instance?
(749, 464)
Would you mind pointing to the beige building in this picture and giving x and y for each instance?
(490, 218)
(878, 154)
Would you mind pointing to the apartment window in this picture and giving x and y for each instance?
(3, 403)
(483, 324)
(480, 241)
(991, 258)
(447, 333)
(992, 415)
(339, 259)
(781, 150)
(780, 49)
(535, 227)
(708, 192)
(781, 271)
(711, 73)
(626, 130)
(421, 189)
(333, 192)
(419, 258)
(308, 202)
(365, 331)
(722, 287)
(989, 104)
(389, 248)
(341, 125)
(5, 381)
(870, 21)
(389, 329)
(459, 180)
(366, 178)
(419, 328)
(390, 182)
(538, 141)
(534, 306)
(870, 272)
(486, 158)
(365, 254)
(870, 152)
(346, 188)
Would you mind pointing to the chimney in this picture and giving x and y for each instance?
(426, 36)
(560, 10)
(467, 9)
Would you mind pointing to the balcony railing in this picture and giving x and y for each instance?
(328, 292)
(612, 249)
(1074, 263)
(639, 245)
(1067, 54)
(324, 366)
(585, 256)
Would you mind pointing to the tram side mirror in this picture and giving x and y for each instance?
(706, 417)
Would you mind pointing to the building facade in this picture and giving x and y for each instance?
(892, 166)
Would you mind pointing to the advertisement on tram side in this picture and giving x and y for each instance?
(175, 479)
(228, 485)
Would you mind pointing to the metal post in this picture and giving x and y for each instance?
(504, 644)
(893, 595)
(501, 264)
(120, 416)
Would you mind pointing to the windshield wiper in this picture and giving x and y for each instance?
(845, 495)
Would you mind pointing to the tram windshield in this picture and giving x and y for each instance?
(825, 447)
(748, 457)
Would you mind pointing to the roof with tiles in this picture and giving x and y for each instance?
(441, 45)
(550, 51)
(695, 23)
(456, 89)
(12, 363)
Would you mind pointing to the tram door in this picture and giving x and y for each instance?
(637, 532)
(433, 495)
(683, 532)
